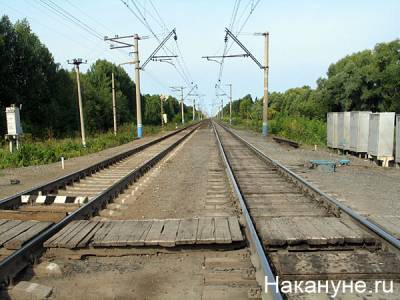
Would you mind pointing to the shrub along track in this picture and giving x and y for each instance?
(50, 207)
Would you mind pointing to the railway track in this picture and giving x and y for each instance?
(196, 242)
(29, 218)
(305, 234)
(210, 221)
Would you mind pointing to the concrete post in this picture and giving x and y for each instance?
(114, 103)
(137, 83)
(265, 98)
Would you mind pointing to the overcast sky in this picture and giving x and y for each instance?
(305, 37)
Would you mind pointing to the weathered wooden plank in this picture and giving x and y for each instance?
(8, 225)
(333, 237)
(187, 232)
(349, 236)
(311, 234)
(289, 231)
(62, 242)
(368, 238)
(138, 233)
(168, 236)
(88, 238)
(112, 236)
(18, 241)
(2, 221)
(153, 236)
(270, 233)
(222, 232)
(336, 265)
(282, 212)
(14, 231)
(67, 228)
(234, 227)
(206, 231)
(81, 234)
(102, 232)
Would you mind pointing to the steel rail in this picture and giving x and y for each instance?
(15, 200)
(392, 240)
(20, 259)
(266, 269)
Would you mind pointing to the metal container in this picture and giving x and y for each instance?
(398, 139)
(381, 134)
(344, 130)
(359, 129)
(13, 121)
(331, 128)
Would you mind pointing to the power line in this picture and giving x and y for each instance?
(88, 16)
(62, 12)
(140, 16)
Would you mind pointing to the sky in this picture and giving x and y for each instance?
(306, 36)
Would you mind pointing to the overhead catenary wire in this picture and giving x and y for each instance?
(142, 19)
(227, 46)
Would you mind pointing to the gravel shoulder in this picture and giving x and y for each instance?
(367, 188)
(35, 175)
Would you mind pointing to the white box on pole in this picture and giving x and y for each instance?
(13, 121)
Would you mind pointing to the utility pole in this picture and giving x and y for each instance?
(230, 103)
(222, 109)
(113, 103)
(194, 109)
(264, 67)
(77, 62)
(180, 89)
(265, 98)
(162, 99)
(183, 114)
(137, 81)
(136, 62)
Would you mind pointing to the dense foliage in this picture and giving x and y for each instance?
(48, 94)
(42, 152)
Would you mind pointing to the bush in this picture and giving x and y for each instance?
(301, 129)
(43, 152)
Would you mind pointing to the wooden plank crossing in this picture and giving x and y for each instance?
(14, 233)
(138, 233)
(314, 231)
(343, 265)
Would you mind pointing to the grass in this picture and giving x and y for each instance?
(44, 152)
(300, 129)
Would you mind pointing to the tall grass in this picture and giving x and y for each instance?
(300, 129)
(43, 152)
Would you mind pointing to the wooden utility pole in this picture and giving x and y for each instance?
(77, 62)
(114, 103)
(265, 98)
